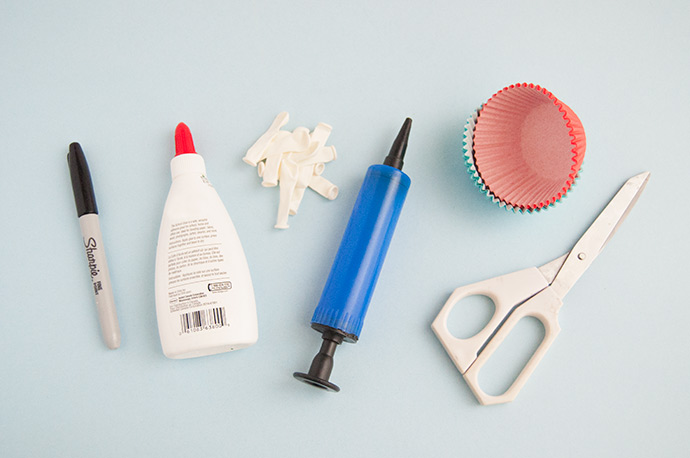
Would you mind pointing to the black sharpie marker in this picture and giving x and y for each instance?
(87, 211)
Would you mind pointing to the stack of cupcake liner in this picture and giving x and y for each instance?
(524, 148)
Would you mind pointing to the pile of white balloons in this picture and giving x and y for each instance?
(295, 161)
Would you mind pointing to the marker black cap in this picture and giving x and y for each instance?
(84, 197)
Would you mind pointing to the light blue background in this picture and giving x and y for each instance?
(118, 76)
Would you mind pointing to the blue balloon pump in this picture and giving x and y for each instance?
(340, 314)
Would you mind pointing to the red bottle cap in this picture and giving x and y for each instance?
(183, 140)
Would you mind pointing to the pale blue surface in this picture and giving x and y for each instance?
(118, 76)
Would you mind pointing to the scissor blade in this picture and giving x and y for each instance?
(599, 233)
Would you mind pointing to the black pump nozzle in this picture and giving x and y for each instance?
(322, 364)
(397, 153)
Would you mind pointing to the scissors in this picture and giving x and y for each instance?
(537, 292)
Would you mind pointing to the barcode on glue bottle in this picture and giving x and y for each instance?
(201, 320)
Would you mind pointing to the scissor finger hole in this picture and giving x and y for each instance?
(505, 364)
(470, 315)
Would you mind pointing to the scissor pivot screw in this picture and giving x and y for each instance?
(581, 256)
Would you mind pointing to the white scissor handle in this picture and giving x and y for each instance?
(544, 306)
(505, 291)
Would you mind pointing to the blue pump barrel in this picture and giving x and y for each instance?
(357, 264)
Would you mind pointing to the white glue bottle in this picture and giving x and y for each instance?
(204, 294)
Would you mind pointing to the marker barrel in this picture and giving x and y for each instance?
(100, 279)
